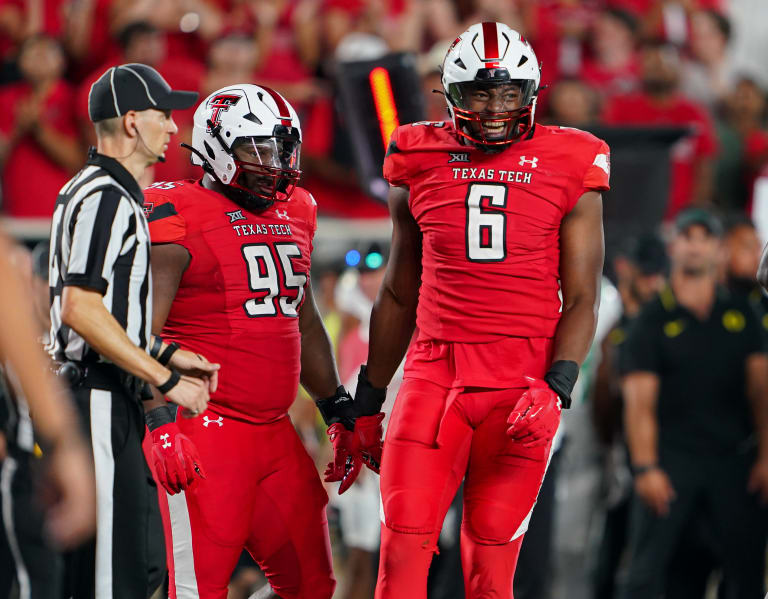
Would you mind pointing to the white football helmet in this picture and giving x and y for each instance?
(263, 128)
(479, 66)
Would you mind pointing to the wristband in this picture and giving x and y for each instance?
(337, 408)
(561, 378)
(172, 381)
(165, 357)
(368, 399)
(158, 417)
(638, 470)
(157, 345)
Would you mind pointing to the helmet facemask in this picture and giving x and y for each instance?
(266, 167)
(493, 111)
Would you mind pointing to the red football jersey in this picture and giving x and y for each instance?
(491, 225)
(239, 299)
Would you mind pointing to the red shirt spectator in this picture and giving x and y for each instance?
(661, 104)
(39, 147)
(31, 177)
(640, 109)
(613, 67)
(20, 19)
(558, 30)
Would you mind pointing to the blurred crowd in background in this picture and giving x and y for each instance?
(698, 63)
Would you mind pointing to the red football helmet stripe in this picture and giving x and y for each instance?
(282, 107)
(490, 41)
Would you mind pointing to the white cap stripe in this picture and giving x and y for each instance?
(112, 86)
(144, 83)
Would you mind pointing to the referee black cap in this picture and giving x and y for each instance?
(134, 86)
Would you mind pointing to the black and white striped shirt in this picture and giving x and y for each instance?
(100, 241)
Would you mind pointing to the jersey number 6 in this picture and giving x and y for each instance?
(486, 230)
(265, 275)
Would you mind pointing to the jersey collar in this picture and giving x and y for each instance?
(118, 172)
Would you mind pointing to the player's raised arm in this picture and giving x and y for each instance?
(393, 318)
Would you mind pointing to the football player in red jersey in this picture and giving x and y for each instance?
(230, 262)
(496, 257)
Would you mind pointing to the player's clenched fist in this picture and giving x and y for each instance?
(174, 456)
(536, 416)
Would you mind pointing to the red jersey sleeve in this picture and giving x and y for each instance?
(166, 225)
(395, 161)
(598, 173)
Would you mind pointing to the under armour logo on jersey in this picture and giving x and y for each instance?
(604, 162)
(235, 216)
(458, 157)
(534, 162)
(283, 214)
(165, 440)
(207, 421)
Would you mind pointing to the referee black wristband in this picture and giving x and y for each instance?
(157, 345)
(158, 417)
(561, 377)
(172, 381)
(165, 357)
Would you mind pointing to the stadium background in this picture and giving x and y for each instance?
(354, 69)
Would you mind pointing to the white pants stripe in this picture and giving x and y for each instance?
(523, 528)
(183, 557)
(6, 479)
(101, 439)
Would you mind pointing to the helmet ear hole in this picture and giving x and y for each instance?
(209, 150)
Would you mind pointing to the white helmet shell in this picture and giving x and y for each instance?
(243, 110)
(488, 52)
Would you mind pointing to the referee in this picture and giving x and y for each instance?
(101, 303)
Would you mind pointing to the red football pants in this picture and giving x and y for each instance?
(436, 437)
(262, 493)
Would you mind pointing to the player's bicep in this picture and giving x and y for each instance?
(403, 274)
(169, 261)
(582, 250)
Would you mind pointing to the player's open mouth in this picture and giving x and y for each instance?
(494, 127)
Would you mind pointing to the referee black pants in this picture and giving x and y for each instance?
(126, 560)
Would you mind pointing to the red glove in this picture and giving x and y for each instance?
(347, 457)
(175, 458)
(370, 435)
(536, 416)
